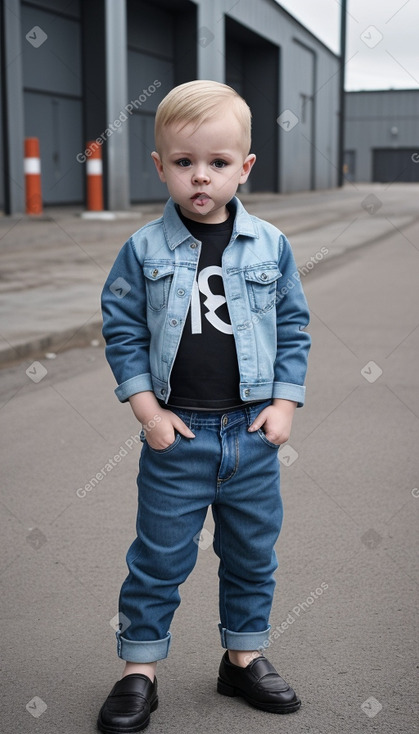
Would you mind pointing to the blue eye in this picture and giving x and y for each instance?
(218, 163)
(183, 162)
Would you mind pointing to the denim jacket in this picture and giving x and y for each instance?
(146, 299)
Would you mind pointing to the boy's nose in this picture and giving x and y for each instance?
(200, 176)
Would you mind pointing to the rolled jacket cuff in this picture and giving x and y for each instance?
(148, 651)
(243, 640)
(289, 391)
(140, 383)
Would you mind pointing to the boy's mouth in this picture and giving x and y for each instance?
(200, 199)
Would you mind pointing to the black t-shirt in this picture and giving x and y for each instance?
(205, 374)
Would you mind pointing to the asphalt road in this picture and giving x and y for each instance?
(346, 602)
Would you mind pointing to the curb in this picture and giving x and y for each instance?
(57, 341)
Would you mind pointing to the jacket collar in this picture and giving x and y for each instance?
(176, 232)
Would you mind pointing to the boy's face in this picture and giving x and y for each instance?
(203, 167)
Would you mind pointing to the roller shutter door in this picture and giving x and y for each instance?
(395, 164)
(52, 78)
(151, 74)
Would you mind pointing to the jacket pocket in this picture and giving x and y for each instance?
(158, 277)
(261, 286)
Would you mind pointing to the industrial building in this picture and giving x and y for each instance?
(74, 71)
(382, 135)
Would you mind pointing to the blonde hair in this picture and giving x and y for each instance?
(197, 101)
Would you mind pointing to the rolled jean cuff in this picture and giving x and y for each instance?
(147, 651)
(244, 640)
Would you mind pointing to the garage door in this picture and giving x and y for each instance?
(400, 164)
(151, 62)
(145, 73)
(52, 78)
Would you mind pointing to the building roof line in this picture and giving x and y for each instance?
(304, 28)
(380, 91)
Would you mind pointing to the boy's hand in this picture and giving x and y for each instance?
(158, 423)
(276, 420)
(163, 434)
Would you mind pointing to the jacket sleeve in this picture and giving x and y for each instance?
(293, 342)
(125, 330)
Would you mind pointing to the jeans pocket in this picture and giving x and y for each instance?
(266, 441)
(168, 448)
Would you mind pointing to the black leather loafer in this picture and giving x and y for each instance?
(259, 684)
(128, 706)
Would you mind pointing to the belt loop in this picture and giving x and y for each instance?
(248, 410)
(190, 422)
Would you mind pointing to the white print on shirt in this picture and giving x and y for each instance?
(212, 302)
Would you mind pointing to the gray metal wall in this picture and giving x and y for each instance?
(99, 55)
(377, 123)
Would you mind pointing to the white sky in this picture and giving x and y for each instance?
(382, 57)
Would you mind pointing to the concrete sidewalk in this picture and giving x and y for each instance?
(53, 268)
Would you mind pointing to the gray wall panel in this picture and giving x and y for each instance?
(211, 40)
(143, 71)
(326, 96)
(300, 174)
(55, 66)
(144, 182)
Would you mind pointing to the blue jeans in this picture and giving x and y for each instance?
(237, 473)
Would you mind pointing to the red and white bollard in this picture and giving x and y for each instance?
(32, 171)
(94, 173)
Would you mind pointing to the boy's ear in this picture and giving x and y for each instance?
(159, 166)
(247, 167)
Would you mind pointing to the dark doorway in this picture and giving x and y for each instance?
(252, 69)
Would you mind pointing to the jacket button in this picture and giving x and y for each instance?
(263, 276)
(162, 391)
(173, 322)
(155, 273)
(193, 246)
(246, 393)
(180, 292)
